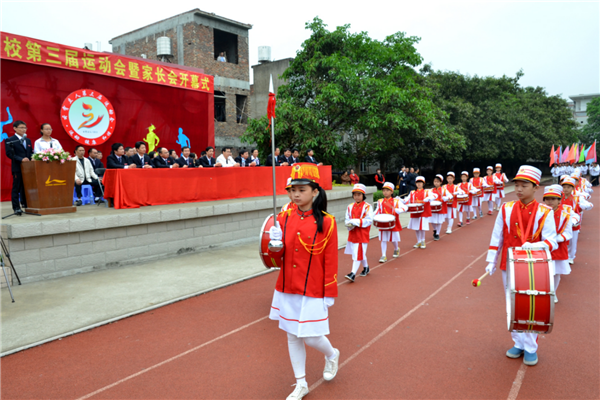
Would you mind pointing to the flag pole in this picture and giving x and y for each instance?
(273, 167)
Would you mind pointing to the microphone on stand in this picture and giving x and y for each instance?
(23, 138)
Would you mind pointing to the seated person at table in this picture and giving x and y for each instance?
(185, 161)
(85, 175)
(254, 157)
(295, 156)
(93, 157)
(163, 160)
(129, 153)
(117, 159)
(346, 178)
(152, 155)
(208, 160)
(244, 160)
(141, 159)
(194, 158)
(225, 159)
(278, 159)
(310, 157)
(173, 154)
(287, 157)
(99, 157)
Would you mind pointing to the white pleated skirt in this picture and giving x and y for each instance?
(489, 197)
(299, 315)
(452, 213)
(562, 267)
(354, 248)
(437, 218)
(419, 224)
(475, 202)
(389, 236)
(500, 193)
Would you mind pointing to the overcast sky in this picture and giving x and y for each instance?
(556, 44)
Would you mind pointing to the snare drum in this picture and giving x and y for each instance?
(499, 186)
(462, 198)
(436, 206)
(478, 193)
(531, 289)
(416, 208)
(488, 189)
(269, 258)
(385, 222)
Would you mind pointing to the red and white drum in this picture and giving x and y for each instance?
(436, 206)
(462, 198)
(478, 193)
(531, 287)
(488, 189)
(499, 186)
(384, 222)
(415, 208)
(270, 259)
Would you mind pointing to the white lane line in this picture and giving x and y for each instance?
(516, 386)
(87, 396)
(392, 326)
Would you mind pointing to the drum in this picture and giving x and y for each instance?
(384, 222)
(488, 189)
(478, 193)
(269, 258)
(415, 208)
(531, 288)
(436, 206)
(462, 198)
(499, 186)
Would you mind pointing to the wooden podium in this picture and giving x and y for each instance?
(49, 186)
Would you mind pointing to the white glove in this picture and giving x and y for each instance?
(399, 210)
(275, 233)
(559, 239)
(536, 245)
(355, 222)
(329, 301)
(491, 268)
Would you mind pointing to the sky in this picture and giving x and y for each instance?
(556, 44)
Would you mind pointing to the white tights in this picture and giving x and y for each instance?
(356, 265)
(498, 201)
(572, 246)
(420, 236)
(437, 228)
(298, 353)
(384, 247)
(450, 222)
(556, 281)
(476, 210)
(490, 205)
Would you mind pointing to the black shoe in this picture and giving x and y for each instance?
(436, 236)
(78, 203)
(19, 212)
(96, 200)
(365, 271)
(350, 277)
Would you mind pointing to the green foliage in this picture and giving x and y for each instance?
(591, 130)
(379, 195)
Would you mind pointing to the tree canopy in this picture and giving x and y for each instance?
(355, 99)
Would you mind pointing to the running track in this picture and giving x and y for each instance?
(414, 328)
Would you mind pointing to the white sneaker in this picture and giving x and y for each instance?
(383, 259)
(331, 367)
(298, 393)
(417, 245)
(555, 299)
(571, 261)
(423, 245)
(449, 231)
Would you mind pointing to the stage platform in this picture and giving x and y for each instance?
(97, 237)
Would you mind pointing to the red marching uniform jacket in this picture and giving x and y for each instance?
(478, 183)
(562, 216)
(439, 192)
(489, 180)
(388, 206)
(310, 261)
(418, 196)
(361, 211)
(573, 202)
(450, 189)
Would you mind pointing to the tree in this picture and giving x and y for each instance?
(355, 99)
(591, 131)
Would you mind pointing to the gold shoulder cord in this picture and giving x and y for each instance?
(319, 246)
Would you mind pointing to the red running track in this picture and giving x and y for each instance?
(414, 328)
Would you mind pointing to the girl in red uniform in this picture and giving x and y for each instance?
(500, 190)
(419, 222)
(578, 204)
(437, 219)
(359, 217)
(465, 188)
(450, 190)
(307, 282)
(389, 205)
(490, 181)
(477, 184)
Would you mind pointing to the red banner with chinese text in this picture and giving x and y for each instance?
(40, 52)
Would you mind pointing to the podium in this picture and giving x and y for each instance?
(49, 186)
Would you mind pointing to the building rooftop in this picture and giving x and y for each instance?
(195, 11)
(582, 96)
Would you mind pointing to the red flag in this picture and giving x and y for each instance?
(591, 155)
(271, 104)
(552, 156)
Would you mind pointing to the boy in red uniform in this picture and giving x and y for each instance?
(390, 206)
(419, 222)
(465, 188)
(527, 224)
(307, 283)
(450, 190)
(490, 181)
(477, 183)
(564, 216)
(502, 178)
(438, 218)
(359, 217)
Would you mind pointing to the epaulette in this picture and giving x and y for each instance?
(288, 211)
(510, 203)
(545, 206)
(329, 215)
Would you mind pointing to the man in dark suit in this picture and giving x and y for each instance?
(244, 160)
(92, 154)
(411, 180)
(163, 160)
(208, 161)
(19, 150)
(402, 175)
(118, 160)
(185, 161)
(310, 158)
(295, 157)
(141, 159)
(287, 157)
(279, 159)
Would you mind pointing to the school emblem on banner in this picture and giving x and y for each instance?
(88, 117)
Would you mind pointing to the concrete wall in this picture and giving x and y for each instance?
(260, 92)
(44, 250)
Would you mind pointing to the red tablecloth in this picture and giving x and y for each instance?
(151, 187)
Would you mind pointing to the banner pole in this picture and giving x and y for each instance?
(275, 223)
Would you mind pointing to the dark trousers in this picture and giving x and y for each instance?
(594, 180)
(18, 189)
(402, 190)
(95, 187)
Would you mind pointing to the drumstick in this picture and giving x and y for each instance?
(477, 282)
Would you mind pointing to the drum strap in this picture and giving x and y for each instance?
(529, 224)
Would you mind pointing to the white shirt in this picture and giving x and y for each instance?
(41, 144)
(256, 160)
(595, 171)
(226, 162)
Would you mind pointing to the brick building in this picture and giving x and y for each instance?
(197, 39)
